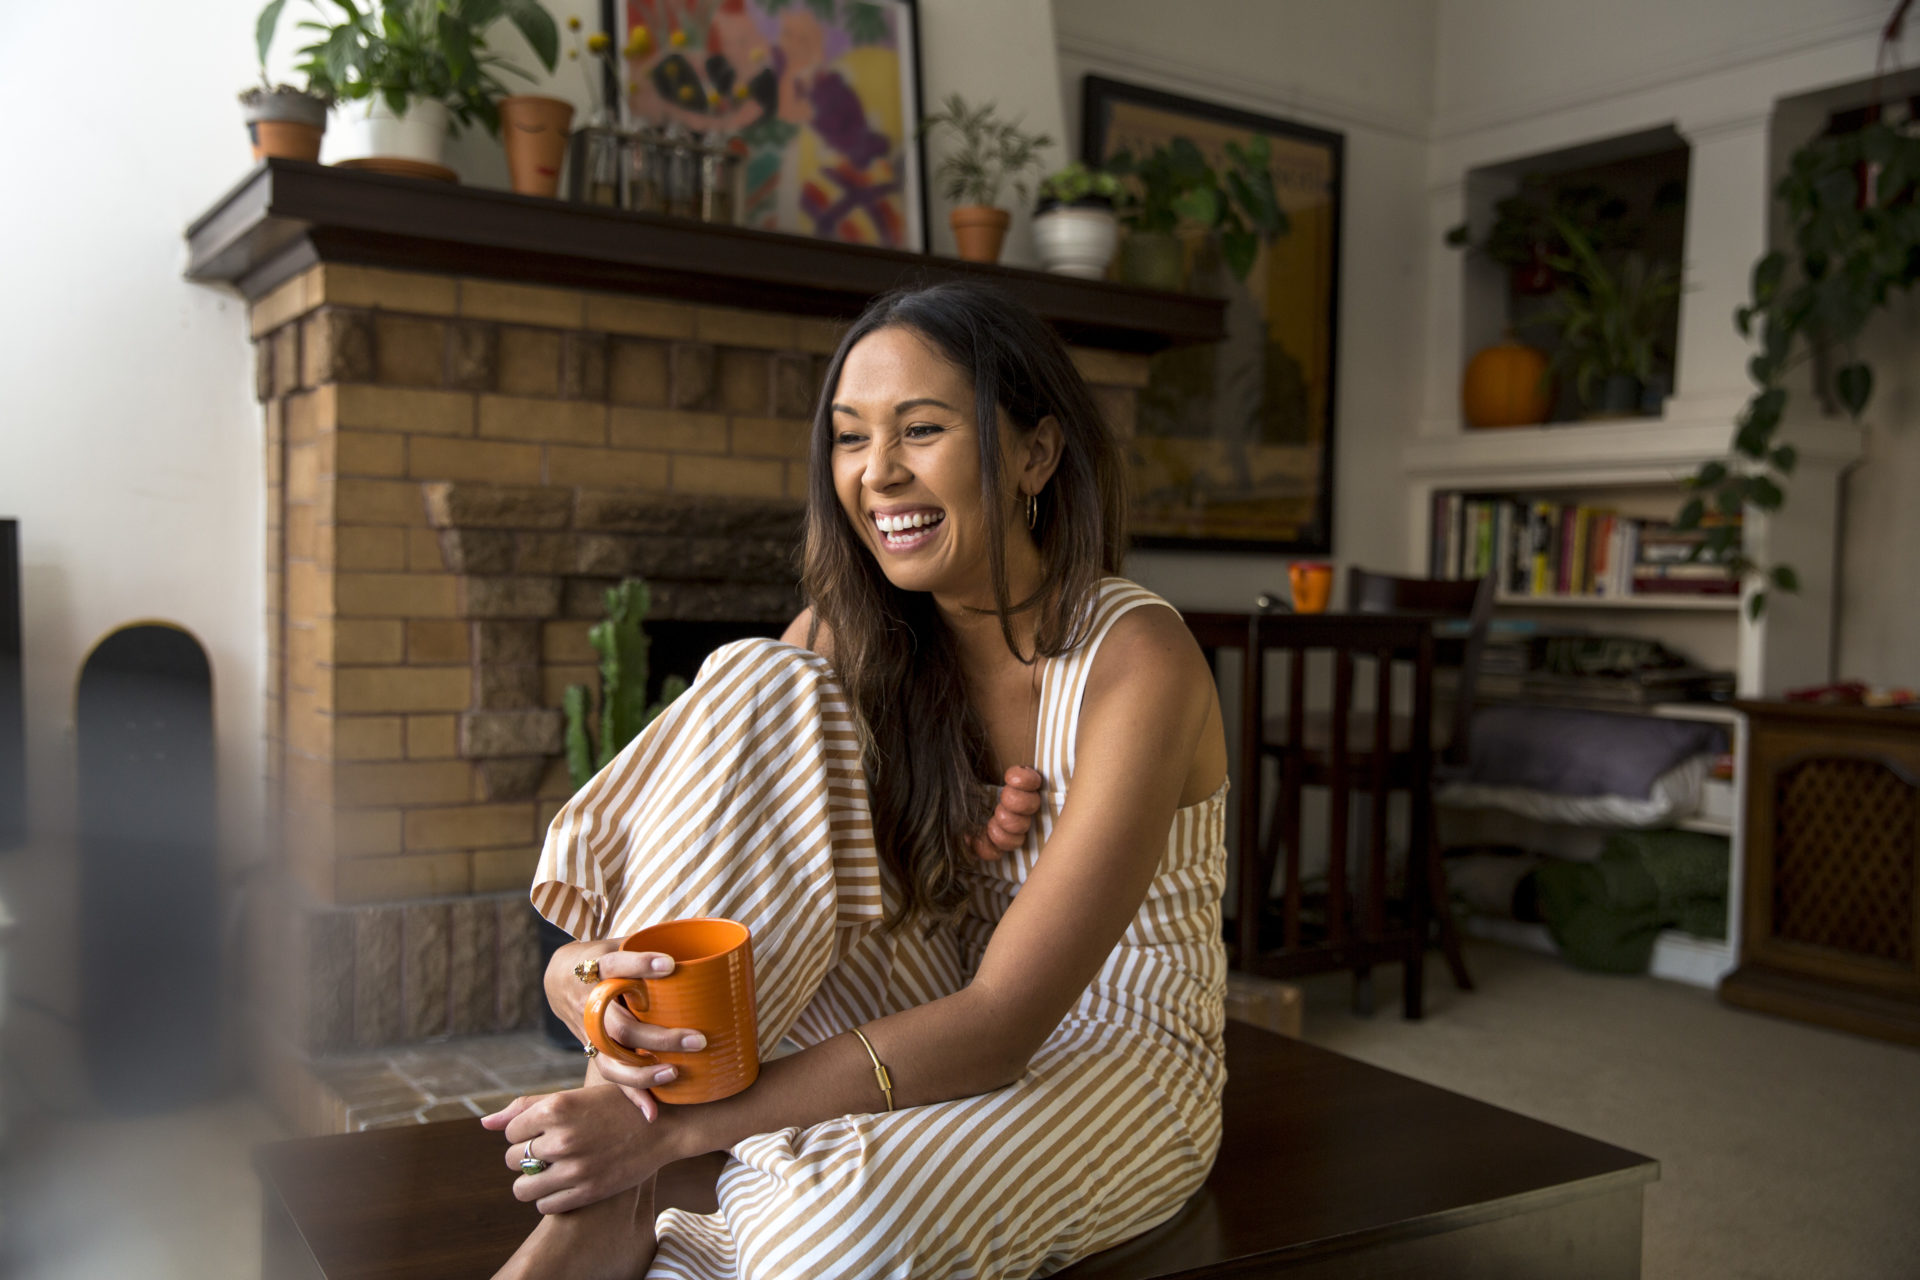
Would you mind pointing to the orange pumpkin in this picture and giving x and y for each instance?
(1506, 386)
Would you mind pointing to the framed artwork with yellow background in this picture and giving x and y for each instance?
(825, 95)
(1233, 443)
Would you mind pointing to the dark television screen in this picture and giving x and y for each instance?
(13, 718)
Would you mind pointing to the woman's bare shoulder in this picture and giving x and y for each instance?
(1150, 646)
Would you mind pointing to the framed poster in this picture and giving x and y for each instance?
(1233, 443)
(824, 93)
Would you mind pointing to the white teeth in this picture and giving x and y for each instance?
(900, 524)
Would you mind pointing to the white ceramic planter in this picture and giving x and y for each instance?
(363, 129)
(1076, 242)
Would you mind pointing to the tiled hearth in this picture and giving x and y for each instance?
(454, 1079)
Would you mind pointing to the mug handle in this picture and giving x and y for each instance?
(594, 1015)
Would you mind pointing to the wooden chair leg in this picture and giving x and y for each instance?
(1442, 905)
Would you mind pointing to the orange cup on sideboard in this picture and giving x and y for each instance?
(1312, 584)
(710, 991)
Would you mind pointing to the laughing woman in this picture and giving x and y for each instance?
(1050, 1020)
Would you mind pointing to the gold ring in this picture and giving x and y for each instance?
(590, 1051)
(588, 971)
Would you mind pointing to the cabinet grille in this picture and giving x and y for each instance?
(1843, 874)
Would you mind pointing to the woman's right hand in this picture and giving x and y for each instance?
(567, 993)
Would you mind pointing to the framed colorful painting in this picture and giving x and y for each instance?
(824, 93)
(1233, 443)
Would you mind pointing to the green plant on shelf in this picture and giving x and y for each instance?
(408, 50)
(988, 153)
(1610, 316)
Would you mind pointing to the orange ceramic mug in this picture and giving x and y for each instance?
(1312, 583)
(710, 991)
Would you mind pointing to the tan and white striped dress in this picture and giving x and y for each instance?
(746, 800)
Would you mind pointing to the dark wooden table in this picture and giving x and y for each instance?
(1329, 1168)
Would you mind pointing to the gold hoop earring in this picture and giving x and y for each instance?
(1033, 510)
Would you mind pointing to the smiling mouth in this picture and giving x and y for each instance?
(904, 532)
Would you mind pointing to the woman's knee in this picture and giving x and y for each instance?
(774, 658)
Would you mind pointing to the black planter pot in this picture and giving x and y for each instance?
(1619, 396)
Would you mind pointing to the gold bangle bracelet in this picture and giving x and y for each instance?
(879, 1072)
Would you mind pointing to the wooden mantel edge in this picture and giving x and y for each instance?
(287, 215)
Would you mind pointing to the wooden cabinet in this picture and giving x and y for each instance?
(1831, 910)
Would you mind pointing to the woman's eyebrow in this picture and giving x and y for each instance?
(900, 408)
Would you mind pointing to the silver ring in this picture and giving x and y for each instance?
(530, 1164)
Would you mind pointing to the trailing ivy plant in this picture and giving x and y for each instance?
(1853, 203)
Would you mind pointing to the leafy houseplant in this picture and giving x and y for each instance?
(1610, 318)
(1853, 208)
(1525, 236)
(990, 153)
(398, 56)
(1178, 189)
(1074, 227)
(621, 641)
(1076, 185)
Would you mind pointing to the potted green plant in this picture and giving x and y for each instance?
(284, 122)
(1852, 204)
(988, 153)
(1610, 318)
(1525, 240)
(404, 70)
(1074, 227)
(1176, 189)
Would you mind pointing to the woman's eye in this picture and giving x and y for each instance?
(848, 437)
(923, 430)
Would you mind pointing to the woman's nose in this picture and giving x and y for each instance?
(885, 467)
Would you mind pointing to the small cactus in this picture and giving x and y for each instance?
(621, 641)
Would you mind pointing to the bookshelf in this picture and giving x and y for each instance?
(1638, 467)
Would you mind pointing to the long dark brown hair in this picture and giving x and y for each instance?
(924, 747)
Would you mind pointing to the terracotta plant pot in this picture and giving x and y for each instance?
(1506, 385)
(979, 230)
(284, 124)
(534, 131)
(286, 140)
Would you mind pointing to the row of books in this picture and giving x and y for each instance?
(1535, 547)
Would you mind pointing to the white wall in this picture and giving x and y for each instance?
(129, 442)
(1363, 68)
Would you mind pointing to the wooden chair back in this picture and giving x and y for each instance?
(1468, 599)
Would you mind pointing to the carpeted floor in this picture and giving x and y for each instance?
(1787, 1152)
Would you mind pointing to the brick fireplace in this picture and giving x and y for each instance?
(456, 468)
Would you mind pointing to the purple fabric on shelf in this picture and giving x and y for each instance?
(1582, 753)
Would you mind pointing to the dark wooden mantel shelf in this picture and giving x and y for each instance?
(287, 215)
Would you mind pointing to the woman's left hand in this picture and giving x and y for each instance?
(594, 1142)
(1013, 814)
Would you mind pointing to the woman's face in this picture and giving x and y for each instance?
(906, 466)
